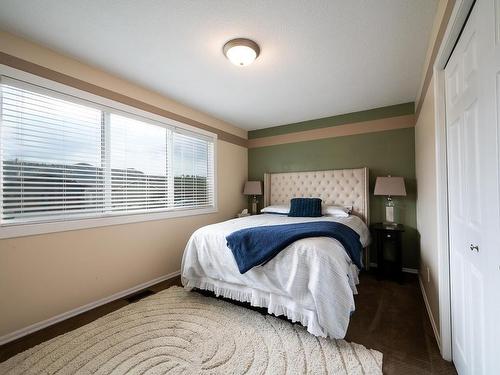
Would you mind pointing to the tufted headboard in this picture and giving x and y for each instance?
(348, 187)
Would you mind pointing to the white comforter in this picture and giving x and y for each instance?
(311, 281)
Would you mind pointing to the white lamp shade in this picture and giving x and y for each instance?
(394, 186)
(253, 188)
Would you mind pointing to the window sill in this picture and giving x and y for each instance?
(31, 229)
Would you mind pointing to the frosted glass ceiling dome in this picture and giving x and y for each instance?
(241, 51)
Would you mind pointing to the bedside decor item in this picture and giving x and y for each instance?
(253, 188)
(243, 213)
(390, 186)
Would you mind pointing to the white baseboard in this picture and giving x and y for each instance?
(405, 269)
(429, 312)
(58, 318)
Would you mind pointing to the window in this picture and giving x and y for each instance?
(64, 158)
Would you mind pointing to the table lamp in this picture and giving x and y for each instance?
(253, 188)
(390, 186)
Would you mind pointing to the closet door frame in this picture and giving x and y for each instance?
(456, 23)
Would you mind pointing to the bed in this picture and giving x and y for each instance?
(313, 280)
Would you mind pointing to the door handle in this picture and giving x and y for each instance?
(474, 247)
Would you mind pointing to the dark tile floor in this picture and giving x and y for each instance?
(389, 317)
(392, 318)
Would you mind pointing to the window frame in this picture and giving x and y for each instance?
(110, 106)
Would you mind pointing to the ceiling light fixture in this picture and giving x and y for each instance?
(241, 51)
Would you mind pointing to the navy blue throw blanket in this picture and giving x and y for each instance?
(254, 246)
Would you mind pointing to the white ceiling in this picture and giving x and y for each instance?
(319, 57)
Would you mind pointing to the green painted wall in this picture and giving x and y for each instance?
(326, 122)
(388, 152)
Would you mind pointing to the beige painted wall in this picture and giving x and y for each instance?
(425, 165)
(46, 275)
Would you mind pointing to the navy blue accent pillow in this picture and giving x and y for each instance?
(305, 207)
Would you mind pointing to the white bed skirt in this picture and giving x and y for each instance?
(275, 304)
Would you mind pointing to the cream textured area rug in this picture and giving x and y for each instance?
(179, 332)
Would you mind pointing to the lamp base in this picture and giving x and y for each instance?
(254, 205)
(389, 213)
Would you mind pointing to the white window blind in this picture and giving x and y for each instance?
(139, 165)
(64, 158)
(193, 171)
(51, 157)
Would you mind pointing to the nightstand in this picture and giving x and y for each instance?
(387, 241)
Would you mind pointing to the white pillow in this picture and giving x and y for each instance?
(339, 211)
(277, 209)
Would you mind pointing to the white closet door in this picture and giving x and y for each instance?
(472, 134)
